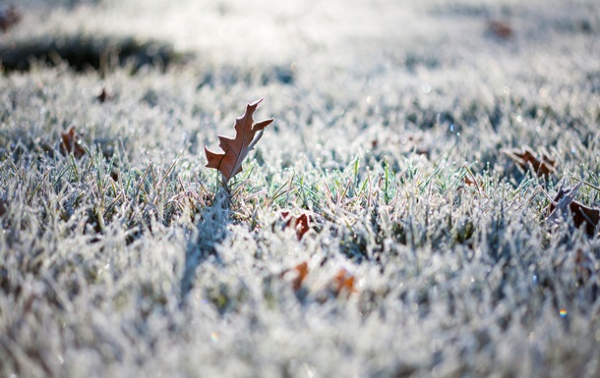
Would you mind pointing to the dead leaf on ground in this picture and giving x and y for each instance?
(406, 143)
(343, 282)
(584, 265)
(298, 273)
(104, 96)
(9, 17)
(3, 207)
(471, 181)
(71, 143)
(500, 29)
(247, 134)
(542, 164)
(581, 214)
(423, 151)
(300, 223)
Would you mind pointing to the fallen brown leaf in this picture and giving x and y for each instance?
(300, 223)
(299, 272)
(474, 182)
(581, 214)
(247, 134)
(9, 17)
(71, 143)
(104, 96)
(542, 165)
(343, 282)
(3, 207)
(584, 265)
(500, 29)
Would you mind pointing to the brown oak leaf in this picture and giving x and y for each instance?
(70, 142)
(300, 223)
(582, 215)
(542, 165)
(247, 134)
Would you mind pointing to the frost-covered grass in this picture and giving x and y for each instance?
(130, 262)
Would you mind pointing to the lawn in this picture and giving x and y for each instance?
(384, 225)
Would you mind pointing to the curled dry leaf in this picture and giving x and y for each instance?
(247, 134)
(542, 165)
(71, 143)
(298, 273)
(9, 17)
(300, 223)
(581, 214)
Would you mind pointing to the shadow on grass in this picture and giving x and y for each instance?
(84, 53)
(210, 231)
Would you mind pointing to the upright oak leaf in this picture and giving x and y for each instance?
(247, 134)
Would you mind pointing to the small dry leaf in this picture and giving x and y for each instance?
(104, 96)
(500, 29)
(405, 143)
(71, 143)
(584, 265)
(542, 165)
(300, 223)
(343, 282)
(299, 272)
(3, 207)
(582, 215)
(423, 151)
(469, 181)
(247, 134)
(9, 17)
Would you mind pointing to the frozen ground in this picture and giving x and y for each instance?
(128, 262)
